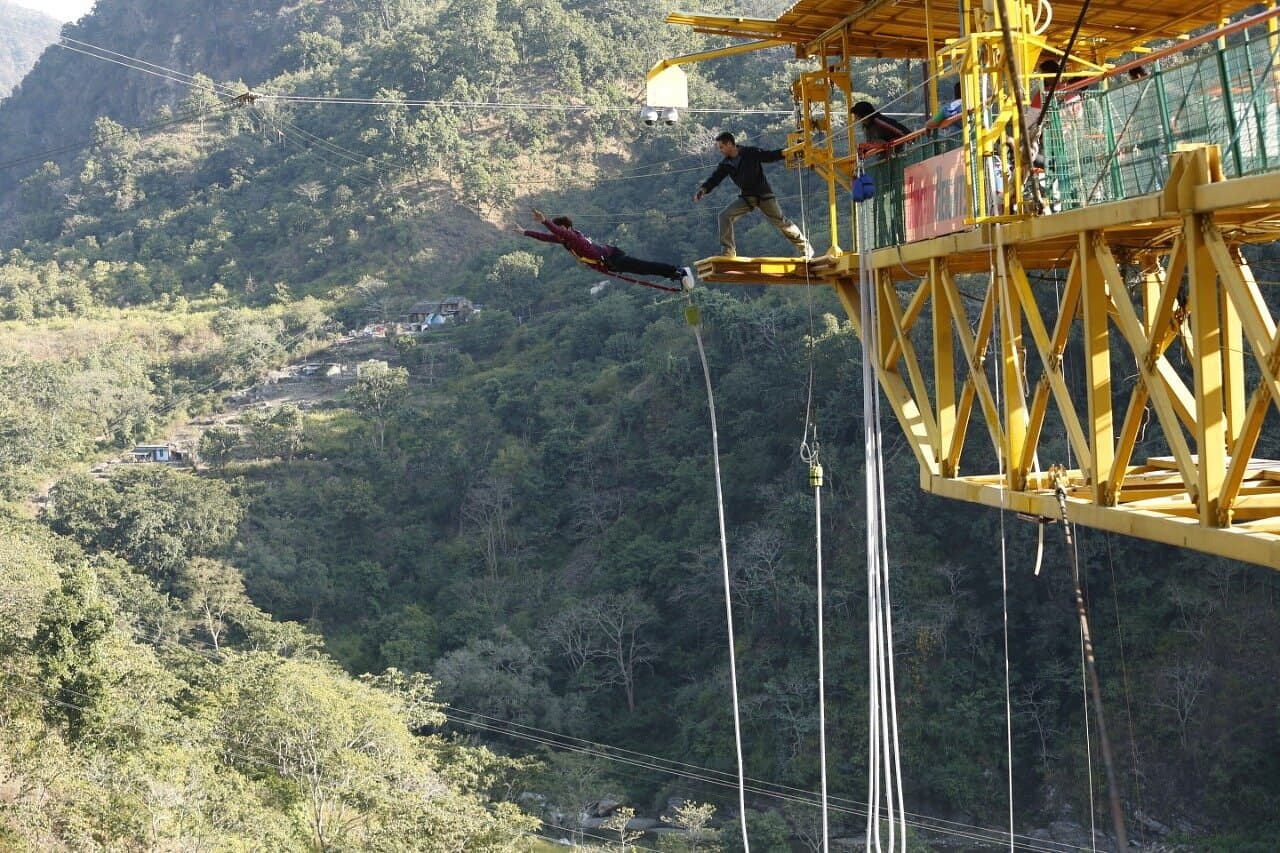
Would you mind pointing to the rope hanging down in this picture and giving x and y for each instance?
(693, 318)
(809, 455)
(1095, 689)
(1005, 337)
(885, 770)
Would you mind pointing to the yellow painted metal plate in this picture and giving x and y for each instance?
(898, 29)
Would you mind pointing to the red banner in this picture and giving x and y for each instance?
(936, 199)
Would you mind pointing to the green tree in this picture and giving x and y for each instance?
(348, 761)
(67, 646)
(378, 393)
(217, 445)
(276, 433)
(503, 678)
(515, 275)
(156, 518)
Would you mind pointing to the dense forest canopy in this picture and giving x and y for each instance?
(354, 623)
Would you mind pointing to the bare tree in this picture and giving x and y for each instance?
(1184, 685)
(617, 822)
(379, 301)
(793, 714)
(761, 564)
(311, 191)
(214, 591)
(571, 637)
(1195, 609)
(486, 509)
(806, 824)
(1034, 702)
(600, 638)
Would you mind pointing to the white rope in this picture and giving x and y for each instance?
(728, 600)
(1004, 333)
(885, 767)
(822, 680)
(809, 455)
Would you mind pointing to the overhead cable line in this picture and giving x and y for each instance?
(809, 799)
(501, 105)
(143, 65)
(169, 77)
(124, 131)
(702, 773)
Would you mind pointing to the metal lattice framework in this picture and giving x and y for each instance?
(1142, 382)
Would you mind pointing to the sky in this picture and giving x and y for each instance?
(62, 10)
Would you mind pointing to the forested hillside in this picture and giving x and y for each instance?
(503, 531)
(23, 35)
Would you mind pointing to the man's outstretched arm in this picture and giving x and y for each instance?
(721, 172)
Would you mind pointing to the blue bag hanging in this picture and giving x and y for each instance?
(864, 187)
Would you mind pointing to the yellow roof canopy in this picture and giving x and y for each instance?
(897, 29)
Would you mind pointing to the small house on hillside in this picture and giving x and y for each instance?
(429, 314)
(164, 453)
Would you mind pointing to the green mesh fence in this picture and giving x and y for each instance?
(1113, 141)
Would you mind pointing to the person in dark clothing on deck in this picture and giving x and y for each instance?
(603, 257)
(745, 166)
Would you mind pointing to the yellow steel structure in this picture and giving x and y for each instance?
(1156, 281)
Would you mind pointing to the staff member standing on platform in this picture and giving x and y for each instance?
(745, 165)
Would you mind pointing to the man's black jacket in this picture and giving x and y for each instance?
(749, 173)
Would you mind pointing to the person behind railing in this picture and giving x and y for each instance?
(949, 110)
(1141, 146)
(881, 130)
(1034, 126)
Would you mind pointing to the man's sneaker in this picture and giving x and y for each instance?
(686, 278)
(808, 252)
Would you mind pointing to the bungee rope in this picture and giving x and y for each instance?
(884, 752)
(809, 456)
(693, 317)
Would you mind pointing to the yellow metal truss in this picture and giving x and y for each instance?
(1158, 284)
(1156, 335)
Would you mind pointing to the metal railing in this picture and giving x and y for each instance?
(1112, 140)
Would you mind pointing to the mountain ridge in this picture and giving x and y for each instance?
(24, 35)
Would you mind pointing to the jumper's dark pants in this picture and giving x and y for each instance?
(620, 261)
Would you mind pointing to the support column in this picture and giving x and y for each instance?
(944, 376)
(1097, 359)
